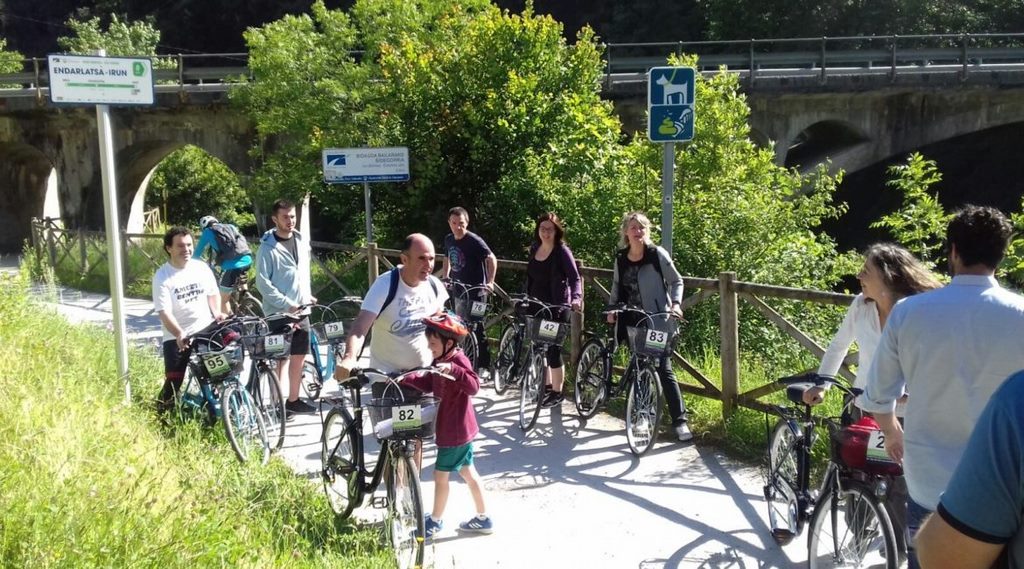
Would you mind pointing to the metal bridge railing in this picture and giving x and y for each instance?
(752, 59)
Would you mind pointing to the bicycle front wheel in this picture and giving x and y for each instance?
(781, 482)
(247, 305)
(312, 380)
(531, 392)
(267, 393)
(340, 467)
(504, 364)
(851, 529)
(643, 410)
(405, 523)
(590, 389)
(470, 348)
(244, 424)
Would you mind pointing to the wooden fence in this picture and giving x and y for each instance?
(59, 244)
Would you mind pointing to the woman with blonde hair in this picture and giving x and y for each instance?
(645, 276)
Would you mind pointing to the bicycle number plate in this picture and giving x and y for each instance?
(478, 308)
(273, 344)
(334, 330)
(216, 364)
(406, 418)
(876, 447)
(656, 340)
(548, 330)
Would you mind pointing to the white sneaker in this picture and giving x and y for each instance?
(683, 432)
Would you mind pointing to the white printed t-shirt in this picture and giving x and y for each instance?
(398, 342)
(183, 294)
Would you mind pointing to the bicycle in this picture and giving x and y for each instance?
(397, 423)
(849, 525)
(214, 366)
(510, 358)
(242, 301)
(651, 339)
(334, 322)
(469, 302)
(543, 325)
(265, 349)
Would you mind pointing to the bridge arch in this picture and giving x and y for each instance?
(821, 140)
(29, 183)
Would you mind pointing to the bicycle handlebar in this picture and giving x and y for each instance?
(820, 380)
(360, 376)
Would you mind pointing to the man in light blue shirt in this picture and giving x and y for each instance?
(951, 348)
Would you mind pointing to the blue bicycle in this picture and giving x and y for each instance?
(327, 341)
(212, 386)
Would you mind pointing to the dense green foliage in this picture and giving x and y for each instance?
(10, 61)
(190, 183)
(89, 482)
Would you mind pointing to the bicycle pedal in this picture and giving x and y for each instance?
(379, 502)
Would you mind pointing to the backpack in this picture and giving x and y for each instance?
(393, 289)
(230, 243)
(650, 258)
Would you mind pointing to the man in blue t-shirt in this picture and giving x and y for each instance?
(979, 519)
(470, 261)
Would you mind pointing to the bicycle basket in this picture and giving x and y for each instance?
(544, 331)
(651, 341)
(332, 332)
(216, 365)
(397, 418)
(850, 449)
(269, 346)
(470, 309)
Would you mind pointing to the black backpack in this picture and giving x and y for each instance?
(230, 243)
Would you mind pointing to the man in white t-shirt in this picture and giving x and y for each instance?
(395, 306)
(186, 298)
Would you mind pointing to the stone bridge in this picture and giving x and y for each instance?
(855, 108)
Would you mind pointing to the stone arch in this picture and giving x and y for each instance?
(822, 140)
(28, 188)
(138, 163)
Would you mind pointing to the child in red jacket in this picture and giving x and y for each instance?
(456, 420)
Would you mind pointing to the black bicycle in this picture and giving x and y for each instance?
(397, 422)
(242, 301)
(470, 303)
(850, 527)
(651, 339)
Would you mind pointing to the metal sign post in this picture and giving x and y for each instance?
(354, 165)
(671, 95)
(668, 163)
(368, 205)
(102, 81)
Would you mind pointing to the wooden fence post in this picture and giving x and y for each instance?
(371, 259)
(83, 257)
(729, 325)
(576, 326)
(51, 246)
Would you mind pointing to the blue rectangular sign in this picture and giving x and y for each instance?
(353, 165)
(671, 94)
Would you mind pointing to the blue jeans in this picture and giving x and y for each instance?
(916, 515)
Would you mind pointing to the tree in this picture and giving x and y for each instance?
(10, 61)
(190, 183)
(920, 223)
(120, 37)
(309, 93)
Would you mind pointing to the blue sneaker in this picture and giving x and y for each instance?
(478, 524)
(432, 526)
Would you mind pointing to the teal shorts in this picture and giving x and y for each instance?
(452, 459)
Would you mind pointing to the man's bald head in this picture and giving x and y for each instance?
(417, 259)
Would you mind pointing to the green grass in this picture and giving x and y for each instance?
(86, 481)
